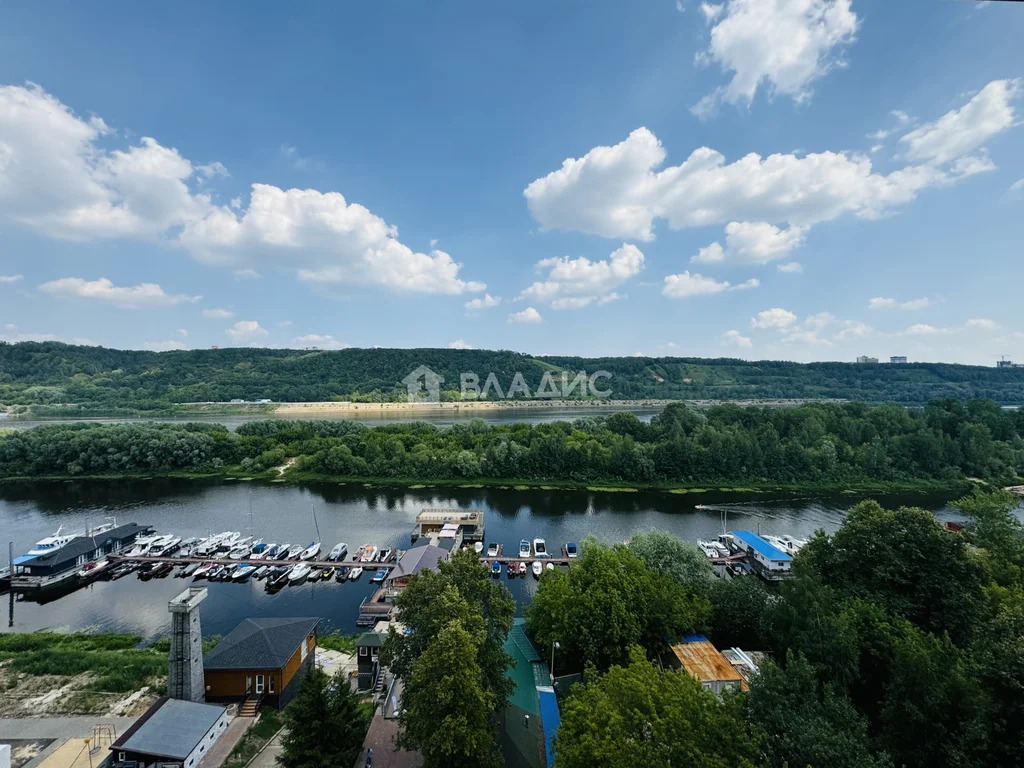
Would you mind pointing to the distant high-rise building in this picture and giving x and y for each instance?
(866, 359)
(1004, 363)
(898, 359)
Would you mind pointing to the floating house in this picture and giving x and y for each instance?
(171, 734)
(768, 561)
(60, 568)
(468, 525)
(261, 660)
(422, 556)
(530, 718)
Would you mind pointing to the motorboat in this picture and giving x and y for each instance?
(513, 569)
(123, 570)
(94, 569)
(203, 570)
(144, 544)
(493, 549)
(310, 552)
(338, 551)
(214, 572)
(280, 579)
(60, 539)
(355, 573)
(328, 573)
(241, 548)
(793, 544)
(368, 554)
(259, 551)
(549, 567)
(380, 574)
(708, 548)
(538, 568)
(294, 552)
(282, 552)
(478, 547)
(540, 548)
(162, 569)
(190, 569)
(260, 572)
(166, 547)
(385, 555)
(342, 574)
(227, 543)
(496, 569)
(299, 573)
(522, 568)
(524, 548)
(571, 550)
(270, 553)
(243, 572)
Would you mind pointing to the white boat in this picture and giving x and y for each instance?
(241, 548)
(270, 553)
(299, 573)
(368, 554)
(540, 548)
(282, 551)
(537, 568)
(524, 548)
(493, 549)
(203, 570)
(166, 547)
(93, 569)
(385, 555)
(210, 544)
(228, 542)
(310, 552)
(338, 552)
(793, 544)
(294, 551)
(61, 539)
(549, 567)
(141, 546)
(355, 573)
(478, 547)
(710, 549)
(243, 572)
(571, 550)
(261, 572)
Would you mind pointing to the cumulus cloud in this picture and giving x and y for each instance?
(164, 346)
(217, 314)
(882, 302)
(458, 344)
(528, 315)
(247, 332)
(737, 339)
(685, 285)
(317, 341)
(60, 180)
(972, 324)
(776, 317)
(10, 278)
(752, 243)
(483, 302)
(791, 267)
(126, 297)
(923, 329)
(961, 131)
(782, 46)
(575, 283)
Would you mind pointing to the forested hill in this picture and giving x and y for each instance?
(34, 373)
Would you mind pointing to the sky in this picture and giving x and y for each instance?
(764, 179)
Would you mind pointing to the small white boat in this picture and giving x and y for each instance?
(524, 548)
(571, 550)
(493, 549)
(310, 552)
(549, 567)
(294, 551)
(261, 572)
(537, 568)
(355, 573)
(478, 547)
(338, 552)
(282, 551)
(203, 570)
(385, 555)
(299, 573)
(243, 572)
(93, 569)
(368, 554)
(710, 549)
(540, 548)
(241, 548)
(793, 544)
(165, 547)
(141, 546)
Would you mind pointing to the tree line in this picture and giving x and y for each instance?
(64, 379)
(823, 444)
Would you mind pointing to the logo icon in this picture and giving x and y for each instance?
(423, 385)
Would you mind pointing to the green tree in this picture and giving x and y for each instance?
(324, 724)
(795, 721)
(446, 707)
(639, 715)
(993, 527)
(739, 611)
(606, 602)
(665, 553)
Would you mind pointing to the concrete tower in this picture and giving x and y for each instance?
(185, 677)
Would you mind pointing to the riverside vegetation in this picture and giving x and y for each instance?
(54, 379)
(819, 445)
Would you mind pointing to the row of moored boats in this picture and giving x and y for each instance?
(726, 545)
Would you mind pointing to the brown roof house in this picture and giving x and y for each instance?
(261, 658)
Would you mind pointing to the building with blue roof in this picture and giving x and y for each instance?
(530, 718)
(768, 561)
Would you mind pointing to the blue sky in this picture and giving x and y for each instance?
(794, 179)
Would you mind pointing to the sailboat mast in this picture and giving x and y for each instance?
(312, 508)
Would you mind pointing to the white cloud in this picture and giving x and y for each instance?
(902, 117)
(776, 317)
(164, 346)
(881, 302)
(853, 329)
(528, 315)
(686, 285)
(879, 135)
(59, 180)
(923, 329)
(737, 339)
(780, 45)
(752, 243)
(246, 274)
(1017, 186)
(791, 267)
(983, 323)
(458, 344)
(217, 314)
(210, 170)
(15, 338)
(711, 11)
(182, 332)
(483, 302)
(295, 159)
(317, 341)
(574, 283)
(246, 332)
(617, 192)
(10, 278)
(961, 131)
(125, 297)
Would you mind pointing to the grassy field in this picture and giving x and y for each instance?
(255, 739)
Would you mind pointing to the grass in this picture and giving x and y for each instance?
(255, 739)
(335, 641)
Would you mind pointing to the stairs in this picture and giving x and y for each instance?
(250, 706)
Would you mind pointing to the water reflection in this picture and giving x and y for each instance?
(358, 515)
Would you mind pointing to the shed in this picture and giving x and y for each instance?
(172, 732)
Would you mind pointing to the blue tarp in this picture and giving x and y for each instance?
(550, 719)
(761, 546)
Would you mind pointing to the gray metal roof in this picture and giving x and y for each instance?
(173, 728)
(260, 644)
(86, 545)
(418, 559)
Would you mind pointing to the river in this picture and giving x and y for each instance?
(356, 515)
